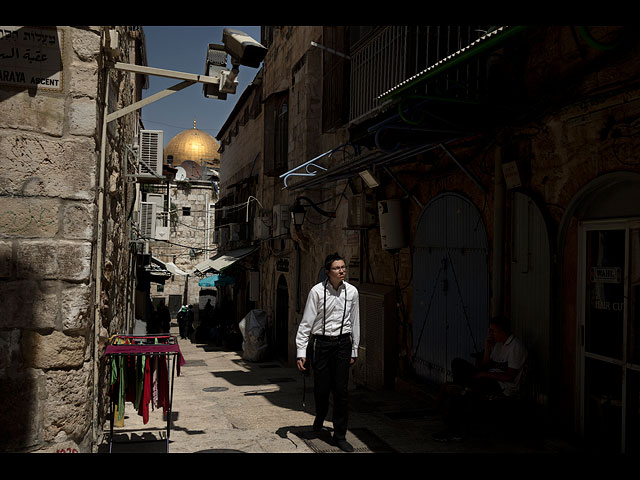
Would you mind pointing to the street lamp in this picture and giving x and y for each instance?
(298, 211)
(297, 214)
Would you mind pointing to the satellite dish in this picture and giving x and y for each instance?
(181, 173)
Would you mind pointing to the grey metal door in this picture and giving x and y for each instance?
(451, 286)
(531, 290)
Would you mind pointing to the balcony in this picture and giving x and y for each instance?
(393, 54)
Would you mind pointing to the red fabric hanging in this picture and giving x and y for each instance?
(163, 384)
(155, 382)
(143, 408)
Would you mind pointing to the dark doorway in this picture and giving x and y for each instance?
(282, 320)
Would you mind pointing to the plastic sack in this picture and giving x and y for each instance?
(254, 332)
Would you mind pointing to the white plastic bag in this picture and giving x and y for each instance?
(254, 332)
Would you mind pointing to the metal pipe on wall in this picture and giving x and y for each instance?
(97, 319)
(498, 236)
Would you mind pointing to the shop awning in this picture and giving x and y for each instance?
(175, 270)
(216, 280)
(168, 268)
(157, 271)
(223, 260)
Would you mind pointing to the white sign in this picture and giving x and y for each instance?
(31, 57)
(511, 174)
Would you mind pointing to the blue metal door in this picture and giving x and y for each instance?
(451, 286)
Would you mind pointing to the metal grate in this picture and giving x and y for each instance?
(215, 389)
(363, 440)
(195, 363)
(396, 53)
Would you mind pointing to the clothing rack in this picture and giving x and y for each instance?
(143, 347)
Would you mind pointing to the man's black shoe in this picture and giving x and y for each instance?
(317, 425)
(343, 445)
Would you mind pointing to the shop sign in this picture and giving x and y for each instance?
(606, 274)
(31, 57)
(282, 265)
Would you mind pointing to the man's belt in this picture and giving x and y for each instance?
(331, 338)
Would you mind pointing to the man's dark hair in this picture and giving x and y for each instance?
(503, 322)
(333, 257)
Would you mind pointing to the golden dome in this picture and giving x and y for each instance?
(194, 146)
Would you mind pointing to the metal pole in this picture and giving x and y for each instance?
(173, 368)
(98, 267)
(498, 235)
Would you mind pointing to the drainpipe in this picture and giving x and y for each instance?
(206, 235)
(97, 319)
(498, 235)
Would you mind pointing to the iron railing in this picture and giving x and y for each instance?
(395, 53)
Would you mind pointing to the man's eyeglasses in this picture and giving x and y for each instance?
(337, 269)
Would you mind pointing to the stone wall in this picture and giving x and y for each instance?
(49, 162)
(294, 64)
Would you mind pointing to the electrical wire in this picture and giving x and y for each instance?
(176, 126)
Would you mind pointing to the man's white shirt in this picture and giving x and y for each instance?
(312, 318)
(510, 354)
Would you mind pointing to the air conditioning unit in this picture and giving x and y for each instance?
(281, 220)
(362, 211)
(222, 236)
(150, 154)
(376, 365)
(162, 233)
(234, 232)
(147, 220)
(157, 198)
(162, 219)
(142, 248)
(261, 227)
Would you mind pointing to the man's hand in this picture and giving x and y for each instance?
(301, 362)
(489, 342)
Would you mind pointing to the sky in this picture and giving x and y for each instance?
(183, 49)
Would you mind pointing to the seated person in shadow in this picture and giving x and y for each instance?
(497, 372)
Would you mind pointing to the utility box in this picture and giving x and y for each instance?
(362, 211)
(376, 365)
(392, 226)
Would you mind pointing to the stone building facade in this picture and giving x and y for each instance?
(507, 178)
(64, 223)
(191, 240)
(186, 210)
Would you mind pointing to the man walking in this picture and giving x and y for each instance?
(330, 332)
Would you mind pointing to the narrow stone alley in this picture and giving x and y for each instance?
(223, 404)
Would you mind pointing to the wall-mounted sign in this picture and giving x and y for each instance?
(282, 265)
(606, 274)
(31, 57)
(511, 174)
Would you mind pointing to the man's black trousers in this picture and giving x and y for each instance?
(331, 358)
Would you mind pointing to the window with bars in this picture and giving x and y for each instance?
(335, 78)
(276, 134)
(383, 57)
